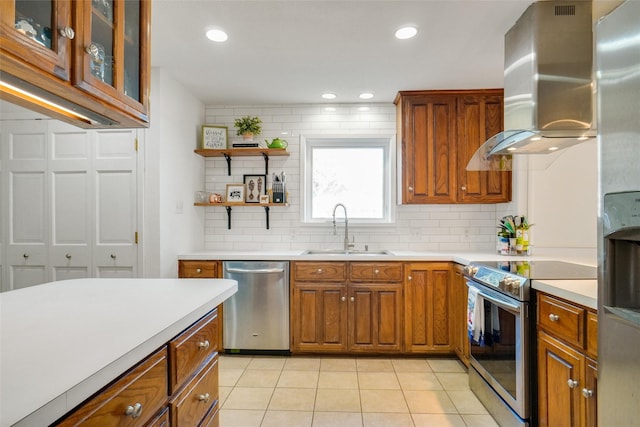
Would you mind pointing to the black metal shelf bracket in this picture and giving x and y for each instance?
(228, 217)
(266, 168)
(228, 158)
(266, 212)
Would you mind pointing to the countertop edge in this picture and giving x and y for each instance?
(583, 292)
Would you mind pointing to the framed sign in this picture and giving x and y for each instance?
(214, 137)
(235, 193)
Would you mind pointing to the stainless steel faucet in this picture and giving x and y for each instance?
(347, 245)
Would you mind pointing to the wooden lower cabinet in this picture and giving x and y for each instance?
(428, 306)
(567, 375)
(340, 307)
(459, 313)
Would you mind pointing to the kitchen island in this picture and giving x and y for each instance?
(61, 342)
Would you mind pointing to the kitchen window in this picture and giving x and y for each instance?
(354, 171)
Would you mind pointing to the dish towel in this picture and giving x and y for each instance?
(475, 317)
(495, 323)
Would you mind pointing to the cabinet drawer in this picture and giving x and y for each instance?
(160, 420)
(592, 334)
(191, 348)
(562, 319)
(199, 396)
(375, 271)
(198, 269)
(143, 390)
(323, 271)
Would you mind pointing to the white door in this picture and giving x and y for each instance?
(70, 188)
(26, 213)
(115, 250)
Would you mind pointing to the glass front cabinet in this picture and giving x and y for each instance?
(98, 48)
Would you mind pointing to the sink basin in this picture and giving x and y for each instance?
(342, 252)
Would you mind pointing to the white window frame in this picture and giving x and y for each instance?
(386, 142)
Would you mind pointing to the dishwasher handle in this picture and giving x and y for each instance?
(252, 271)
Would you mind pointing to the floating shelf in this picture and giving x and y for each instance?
(228, 206)
(244, 152)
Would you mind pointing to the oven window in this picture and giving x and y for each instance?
(498, 354)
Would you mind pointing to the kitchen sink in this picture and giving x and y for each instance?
(343, 252)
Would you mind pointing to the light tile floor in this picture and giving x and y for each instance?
(347, 391)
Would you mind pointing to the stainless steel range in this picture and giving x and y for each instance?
(502, 372)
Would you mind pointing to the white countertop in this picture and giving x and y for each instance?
(583, 292)
(61, 342)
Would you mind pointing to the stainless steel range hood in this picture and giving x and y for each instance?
(548, 90)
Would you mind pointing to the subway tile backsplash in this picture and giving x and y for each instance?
(417, 227)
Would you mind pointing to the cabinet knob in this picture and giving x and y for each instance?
(572, 383)
(134, 411)
(113, 256)
(463, 188)
(204, 344)
(343, 299)
(319, 271)
(352, 299)
(376, 271)
(93, 50)
(198, 270)
(409, 278)
(68, 256)
(554, 317)
(587, 393)
(67, 32)
(410, 189)
(204, 397)
(25, 256)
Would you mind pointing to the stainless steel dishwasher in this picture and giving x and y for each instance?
(256, 318)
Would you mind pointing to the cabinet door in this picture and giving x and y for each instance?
(428, 313)
(37, 38)
(590, 393)
(113, 61)
(428, 152)
(375, 317)
(319, 317)
(559, 397)
(480, 117)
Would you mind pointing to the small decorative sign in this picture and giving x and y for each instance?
(214, 137)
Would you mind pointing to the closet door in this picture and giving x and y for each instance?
(70, 187)
(115, 215)
(26, 206)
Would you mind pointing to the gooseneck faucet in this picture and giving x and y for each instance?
(347, 245)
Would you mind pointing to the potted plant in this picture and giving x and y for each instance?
(248, 126)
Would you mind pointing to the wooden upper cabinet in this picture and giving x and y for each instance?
(480, 117)
(35, 39)
(428, 155)
(90, 57)
(439, 133)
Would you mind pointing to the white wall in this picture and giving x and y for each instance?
(172, 225)
(417, 227)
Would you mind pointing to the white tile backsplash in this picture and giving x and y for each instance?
(417, 227)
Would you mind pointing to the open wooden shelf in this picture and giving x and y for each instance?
(228, 206)
(243, 152)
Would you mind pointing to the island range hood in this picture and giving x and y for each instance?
(548, 82)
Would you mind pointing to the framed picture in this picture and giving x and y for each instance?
(256, 187)
(264, 199)
(235, 193)
(214, 137)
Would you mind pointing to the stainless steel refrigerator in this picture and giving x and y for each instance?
(618, 93)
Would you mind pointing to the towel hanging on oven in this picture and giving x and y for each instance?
(475, 316)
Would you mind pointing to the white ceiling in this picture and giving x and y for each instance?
(291, 51)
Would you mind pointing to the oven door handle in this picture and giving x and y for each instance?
(513, 308)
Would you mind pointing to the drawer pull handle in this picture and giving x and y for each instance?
(572, 383)
(554, 317)
(204, 397)
(587, 393)
(203, 344)
(134, 411)
(198, 270)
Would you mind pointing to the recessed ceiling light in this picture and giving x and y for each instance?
(366, 95)
(406, 32)
(511, 149)
(329, 109)
(329, 95)
(553, 148)
(217, 35)
(363, 108)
